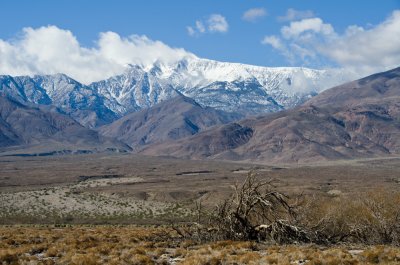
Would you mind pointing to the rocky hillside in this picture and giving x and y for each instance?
(42, 129)
(357, 119)
(172, 119)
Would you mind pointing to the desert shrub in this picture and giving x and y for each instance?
(380, 223)
(257, 211)
(327, 220)
(369, 218)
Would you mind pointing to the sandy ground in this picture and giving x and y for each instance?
(76, 200)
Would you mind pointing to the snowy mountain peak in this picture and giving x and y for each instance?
(226, 86)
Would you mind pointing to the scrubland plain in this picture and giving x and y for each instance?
(125, 209)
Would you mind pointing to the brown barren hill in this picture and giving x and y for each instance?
(172, 119)
(42, 129)
(354, 120)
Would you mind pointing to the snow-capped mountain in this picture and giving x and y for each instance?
(81, 102)
(226, 86)
(357, 119)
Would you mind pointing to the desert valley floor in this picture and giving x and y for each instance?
(118, 209)
(141, 189)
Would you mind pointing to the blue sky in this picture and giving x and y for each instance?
(240, 41)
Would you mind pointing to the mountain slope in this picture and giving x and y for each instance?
(357, 119)
(46, 130)
(172, 119)
(79, 101)
(377, 87)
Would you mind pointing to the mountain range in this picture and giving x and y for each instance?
(204, 109)
(231, 87)
(357, 119)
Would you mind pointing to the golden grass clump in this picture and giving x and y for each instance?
(140, 259)
(84, 259)
(9, 256)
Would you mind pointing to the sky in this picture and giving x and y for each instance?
(45, 37)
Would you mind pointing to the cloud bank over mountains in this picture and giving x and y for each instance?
(50, 50)
(304, 40)
(363, 50)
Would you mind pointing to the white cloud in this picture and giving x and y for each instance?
(200, 26)
(353, 29)
(254, 14)
(190, 31)
(278, 44)
(274, 41)
(359, 50)
(378, 46)
(217, 23)
(213, 23)
(49, 50)
(293, 14)
(316, 25)
(198, 29)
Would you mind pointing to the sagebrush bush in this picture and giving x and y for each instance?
(257, 211)
(370, 218)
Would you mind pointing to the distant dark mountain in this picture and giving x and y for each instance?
(172, 119)
(44, 129)
(357, 119)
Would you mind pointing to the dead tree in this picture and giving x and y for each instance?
(256, 211)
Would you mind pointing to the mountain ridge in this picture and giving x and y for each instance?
(217, 84)
(171, 119)
(39, 129)
(333, 125)
(230, 87)
(79, 101)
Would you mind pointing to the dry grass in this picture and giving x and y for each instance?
(161, 245)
